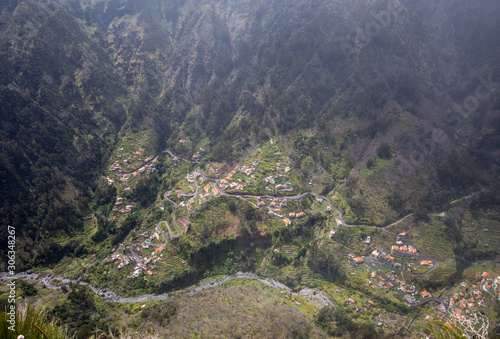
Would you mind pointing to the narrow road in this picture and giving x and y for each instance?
(368, 260)
(159, 230)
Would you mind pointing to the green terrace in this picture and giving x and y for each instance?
(377, 164)
(289, 250)
(132, 148)
(307, 275)
(168, 267)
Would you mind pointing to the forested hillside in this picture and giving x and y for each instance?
(396, 101)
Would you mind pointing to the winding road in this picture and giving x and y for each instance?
(368, 260)
(112, 297)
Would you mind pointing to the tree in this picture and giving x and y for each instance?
(384, 152)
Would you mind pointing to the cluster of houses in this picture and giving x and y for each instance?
(285, 187)
(190, 177)
(463, 306)
(124, 178)
(228, 182)
(238, 186)
(208, 190)
(197, 155)
(393, 281)
(362, 308)
(115, 166)
(404, 249)
(143, 262)
(125, 209)
(275, 206)
(120, 260)
(249, 170)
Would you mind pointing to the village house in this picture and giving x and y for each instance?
(425, 294)
(358, 260)
(409, 298)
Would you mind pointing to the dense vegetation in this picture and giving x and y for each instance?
(371, 108)
(75, 77)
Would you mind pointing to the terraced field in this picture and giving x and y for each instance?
(169, 266)
(130, 144)
(378, 165)
(307, 274)
(291, 272)
(288, 250)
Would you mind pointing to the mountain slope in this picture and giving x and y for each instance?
(371, 85)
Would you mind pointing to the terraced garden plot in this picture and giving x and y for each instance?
(168, 266)
(307, 274)
(164, 271)
(288, 250)
(175, 262)
(185, 186)
(198, 226)
(378, 165)
(131, 143)
(484, 228)
(239, 176)
(291, 272)
(183, 222)
(435, 244)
